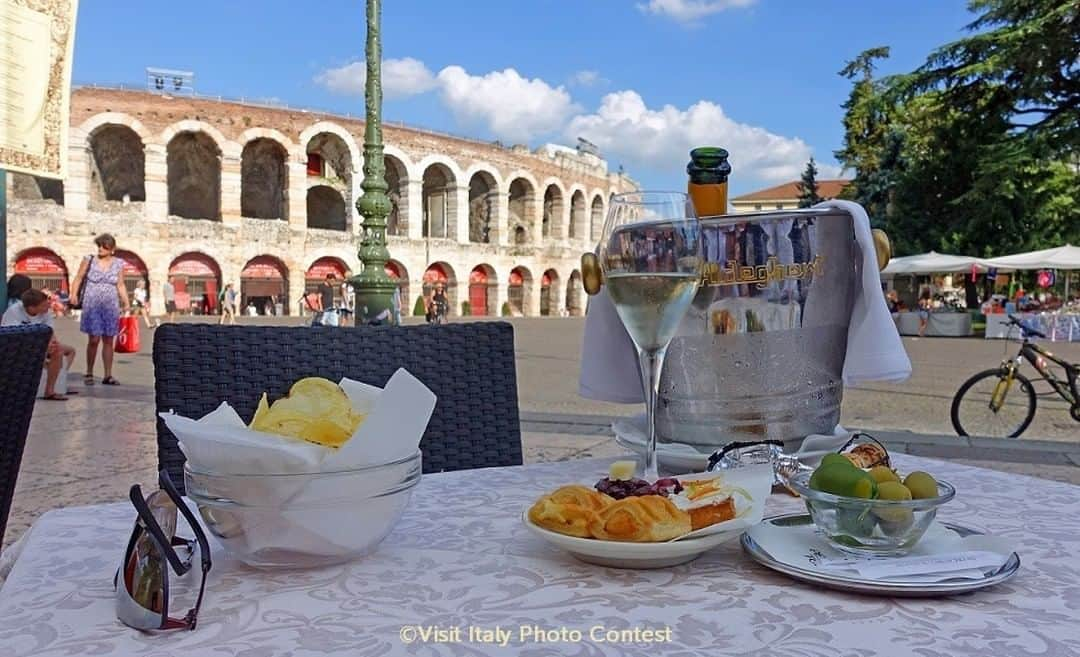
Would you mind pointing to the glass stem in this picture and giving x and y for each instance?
(651, 363)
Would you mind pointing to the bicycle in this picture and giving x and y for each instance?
(1001, 402)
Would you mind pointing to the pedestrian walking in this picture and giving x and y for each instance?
(395, 304)
(228, 304)
(100, 282)
(140, 303)
(168, 293)
(326, 289)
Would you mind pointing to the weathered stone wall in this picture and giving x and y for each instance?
(216, 175)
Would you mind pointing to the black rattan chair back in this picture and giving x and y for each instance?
(23, 349)
(469, 367)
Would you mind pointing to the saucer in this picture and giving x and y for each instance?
(620, 554)
(676, 458)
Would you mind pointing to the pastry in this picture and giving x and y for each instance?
(647, 518)
(706, 502)
(569, 510)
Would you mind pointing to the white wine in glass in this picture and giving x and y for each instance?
(650, 254)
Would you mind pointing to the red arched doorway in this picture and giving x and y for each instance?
(134, 271)
(320, 269)
(441, 272)
(518, 290)
(549, 293)
(482, 290)
(44, 267)
(196, 279)
(264, 288)
(400, 275)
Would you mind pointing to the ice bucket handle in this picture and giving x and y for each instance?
(592, 278)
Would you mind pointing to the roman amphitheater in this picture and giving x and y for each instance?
(210, 192)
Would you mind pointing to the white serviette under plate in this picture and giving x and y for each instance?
(802, 546)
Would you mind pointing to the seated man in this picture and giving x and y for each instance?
(33, 308)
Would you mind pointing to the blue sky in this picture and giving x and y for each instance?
(644, 80)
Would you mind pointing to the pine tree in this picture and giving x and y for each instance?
(808, 187)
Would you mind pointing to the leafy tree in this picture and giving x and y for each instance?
(419, 308)
(808, 186)
(950, 158)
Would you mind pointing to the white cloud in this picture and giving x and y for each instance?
(690, 11)
(586, 78)
(512, 107)
(627, 130)
(401, 78)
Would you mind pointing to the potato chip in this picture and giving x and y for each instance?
(316, 410)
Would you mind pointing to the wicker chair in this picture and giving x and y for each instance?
(24, 349)
(470, 368)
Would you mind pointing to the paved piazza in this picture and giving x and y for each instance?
(214, 192)
(93, 447)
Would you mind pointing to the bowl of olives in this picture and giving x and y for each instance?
(870, 511)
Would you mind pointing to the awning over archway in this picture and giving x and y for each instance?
(392, 269)
(194, 265)
(40, 261)
(516, 278)
(133, 264)
(436, 274)
(323, 267)
(265, 268)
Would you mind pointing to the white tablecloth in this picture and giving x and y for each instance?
(461, 558)
(940, 324)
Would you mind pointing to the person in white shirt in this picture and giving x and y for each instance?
(33, 308)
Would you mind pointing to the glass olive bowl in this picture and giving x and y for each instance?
(870, 527)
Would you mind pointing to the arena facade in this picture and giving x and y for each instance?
(211, 192)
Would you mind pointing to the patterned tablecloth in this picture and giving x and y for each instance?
(461, 559)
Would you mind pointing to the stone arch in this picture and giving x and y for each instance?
(196, 279)
(264, 283)
(578, 216)
(326, 208)
(550, 289)
(596, 218)
(442, 272)
(553, 210)
(519, 289)
(117, 165)
(192, 125)
(331, 160)
(574, 290)
(97, 121)
(252, 134)
(397, 189)
(397, 271)
(329, 127)
(45, 268)
(483, 204)
(483, 290)
(193, 160)
(264, 179)
(439, 198)
(521, 206)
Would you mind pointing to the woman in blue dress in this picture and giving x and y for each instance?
(100, 283)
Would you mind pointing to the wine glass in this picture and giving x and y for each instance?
(650, 254)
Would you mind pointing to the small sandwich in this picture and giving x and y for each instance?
(707, 501)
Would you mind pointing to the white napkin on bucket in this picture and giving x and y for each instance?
(220, 442)
(609, 364)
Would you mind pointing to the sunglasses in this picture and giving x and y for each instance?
(142, 581)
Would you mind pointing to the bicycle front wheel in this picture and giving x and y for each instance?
(990, 404)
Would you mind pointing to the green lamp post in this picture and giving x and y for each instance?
(374, 288)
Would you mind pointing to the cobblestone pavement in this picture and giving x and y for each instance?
(93, 447)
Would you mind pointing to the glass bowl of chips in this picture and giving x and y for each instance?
(303, 520)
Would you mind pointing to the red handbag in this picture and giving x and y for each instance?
(127, 340)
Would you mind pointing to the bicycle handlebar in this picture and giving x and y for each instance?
(1024, 328)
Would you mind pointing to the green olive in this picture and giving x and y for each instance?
(835, 458)
(893, 520)
(921, 485)
(883, 473)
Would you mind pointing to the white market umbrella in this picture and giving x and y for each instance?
(932, 263)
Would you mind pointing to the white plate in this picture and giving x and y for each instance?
(676, 458)
(618, 554)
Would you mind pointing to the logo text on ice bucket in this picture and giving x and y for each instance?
(773, 271)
